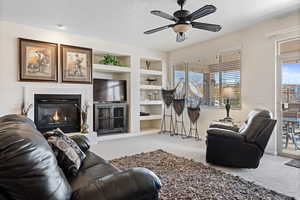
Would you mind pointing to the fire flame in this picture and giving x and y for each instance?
(55, 116)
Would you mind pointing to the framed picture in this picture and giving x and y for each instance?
(38, 60)
(76, 64)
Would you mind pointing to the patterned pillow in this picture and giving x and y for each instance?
(69, 155)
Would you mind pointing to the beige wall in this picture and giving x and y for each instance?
(258, 66)
(11, 91)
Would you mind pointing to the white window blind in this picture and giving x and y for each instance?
(212, 75)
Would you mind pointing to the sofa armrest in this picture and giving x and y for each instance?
(82, 141)
(223, 133)
(224, 126)
(133, 184)
(2, 197)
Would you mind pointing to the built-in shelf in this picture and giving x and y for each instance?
(150, 102)
(151, 87)
(110, 69)
(150, 117)
(151, 81)
(149, 131)
(151, 72)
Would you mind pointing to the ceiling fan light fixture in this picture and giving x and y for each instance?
(181, 28)
(180, 37)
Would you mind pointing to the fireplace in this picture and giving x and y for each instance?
(57, 111)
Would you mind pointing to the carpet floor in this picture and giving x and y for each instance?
(184, 179)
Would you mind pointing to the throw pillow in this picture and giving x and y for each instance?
(69, 155)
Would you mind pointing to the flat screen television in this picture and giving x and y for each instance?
(109, 90)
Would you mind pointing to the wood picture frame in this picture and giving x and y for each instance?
(76, 64)
(38, 61)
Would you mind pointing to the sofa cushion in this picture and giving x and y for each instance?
(82, 141)
(91, 160)
(17, 118)
(28, 167)
(68, 153)
(92, 169)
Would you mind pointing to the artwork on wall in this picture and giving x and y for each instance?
(38, 60)
(76, 64)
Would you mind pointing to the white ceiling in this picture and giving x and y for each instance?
(125, 21)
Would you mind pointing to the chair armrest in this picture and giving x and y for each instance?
(82, 141)
(223, 126)
(223, 133)
(133, 184)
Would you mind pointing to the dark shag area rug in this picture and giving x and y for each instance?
(293, 163)
(185, 179)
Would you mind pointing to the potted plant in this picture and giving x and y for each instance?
(110, 60)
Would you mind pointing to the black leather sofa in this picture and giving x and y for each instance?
(240, 147)
(29, 170)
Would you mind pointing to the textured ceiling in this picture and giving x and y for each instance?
(125, 21)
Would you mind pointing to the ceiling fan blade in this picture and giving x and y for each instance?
(205, 26)
(205, 10)
(158, 29)
(164, 15)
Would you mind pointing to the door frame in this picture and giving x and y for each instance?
(279, 61)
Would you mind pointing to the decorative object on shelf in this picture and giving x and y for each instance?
(151, 80)
(38, 60)
(26, 109)
(76, 64)
(228, 94)
(144, 113)
(184, 20)
(84, 114)
(156, 95)
(110, 60)
(148, 63)
(150, 96)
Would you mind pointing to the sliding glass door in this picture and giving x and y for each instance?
(289, 63)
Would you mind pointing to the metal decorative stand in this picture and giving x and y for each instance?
(194, 114)
(168, 98)
(178, 105)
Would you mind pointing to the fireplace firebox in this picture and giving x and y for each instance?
(57, 111)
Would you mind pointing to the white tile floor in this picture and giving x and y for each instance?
(272, 173)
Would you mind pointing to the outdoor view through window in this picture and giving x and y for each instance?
(290, 95)
(208, 81)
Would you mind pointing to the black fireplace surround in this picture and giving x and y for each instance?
(57, 111)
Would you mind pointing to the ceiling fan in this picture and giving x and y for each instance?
(184, 20)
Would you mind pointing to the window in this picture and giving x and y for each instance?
(179, 73)
(209, 79)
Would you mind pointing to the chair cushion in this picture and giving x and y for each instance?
(28, 167)
(256, 122)
(68, 153)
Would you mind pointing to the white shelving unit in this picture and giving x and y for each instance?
(151, 87)
(150, 117)
(142, 80)
(110, 69)
(151, 75)
(151, 72)
(151, 102)
(149, 131)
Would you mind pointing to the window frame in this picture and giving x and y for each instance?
(221, 106)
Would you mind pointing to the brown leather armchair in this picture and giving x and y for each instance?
(243, 147)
